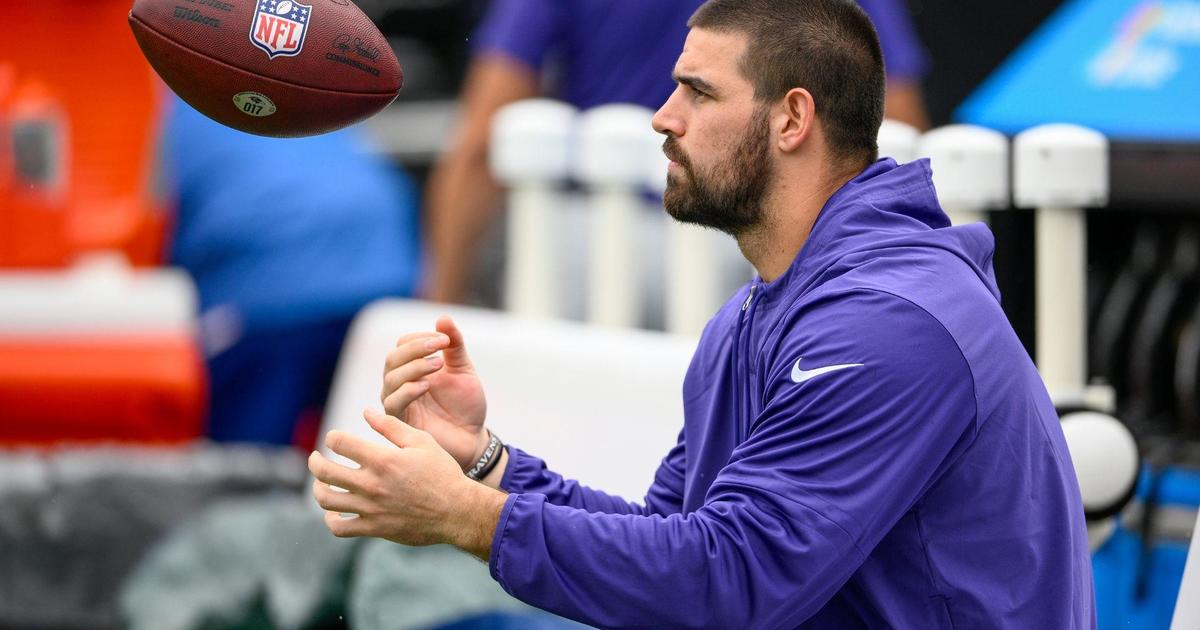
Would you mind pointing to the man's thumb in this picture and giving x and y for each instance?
(395, 430)
(455, 354)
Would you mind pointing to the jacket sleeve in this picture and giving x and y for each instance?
(830, 465)
(523, 30)
(528, 474)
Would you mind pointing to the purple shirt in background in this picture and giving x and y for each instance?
(641, 39)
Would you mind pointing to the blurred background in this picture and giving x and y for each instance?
(177, 328)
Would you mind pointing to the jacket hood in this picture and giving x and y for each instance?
(884, 207)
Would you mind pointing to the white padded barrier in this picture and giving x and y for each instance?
(970, 170)
(102, 295)
(601, 405)
(530, 152)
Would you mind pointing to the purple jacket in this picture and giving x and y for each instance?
(866, 444)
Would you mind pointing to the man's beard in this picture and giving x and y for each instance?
(727, 197)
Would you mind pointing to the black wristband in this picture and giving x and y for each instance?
(488, 460)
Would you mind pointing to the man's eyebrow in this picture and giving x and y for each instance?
(696, 83)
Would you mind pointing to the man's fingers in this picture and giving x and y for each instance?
(346, 445)
(337, 501)
(335, 474)
(415, 348)
(413, 335)
(396, 431)
(396, 402)
(343, 527)
(456, 350)
(411, 371)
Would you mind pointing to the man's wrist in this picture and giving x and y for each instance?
(478, 523)
(481, 444)
(493, 478)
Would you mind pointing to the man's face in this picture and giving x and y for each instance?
(717, 137)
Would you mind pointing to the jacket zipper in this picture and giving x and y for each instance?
(749, 296)
(742, 364)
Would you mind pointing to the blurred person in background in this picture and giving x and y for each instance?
(587, 53)
(286, 240)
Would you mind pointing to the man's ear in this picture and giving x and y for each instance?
(797, 113)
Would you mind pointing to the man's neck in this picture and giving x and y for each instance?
(789, 213)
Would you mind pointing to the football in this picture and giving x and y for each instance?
(278, 68)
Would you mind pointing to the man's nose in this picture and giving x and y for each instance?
(666, 120)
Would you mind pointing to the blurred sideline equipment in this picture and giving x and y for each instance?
(530, 152)
(573, 392)
(615, 142)
(84, 167)
(102, 352)
(1059, 170)
(270, 68)
(33, 177)
(106, 350)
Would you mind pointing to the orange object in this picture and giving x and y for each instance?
(8, 80)
(132, 389)
(84, 107)
(83, 56)
(35, 215)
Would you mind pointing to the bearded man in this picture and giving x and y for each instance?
(866, 443)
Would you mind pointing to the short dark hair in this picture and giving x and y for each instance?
(828, 47)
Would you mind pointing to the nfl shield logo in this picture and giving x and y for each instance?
(279, 26)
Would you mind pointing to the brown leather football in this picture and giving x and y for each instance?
(270, 67)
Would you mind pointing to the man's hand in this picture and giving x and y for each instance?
(413, 495)
(441, 395)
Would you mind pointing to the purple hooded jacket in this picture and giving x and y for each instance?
(866, 444)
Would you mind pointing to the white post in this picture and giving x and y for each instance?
(530, 153)
(693, 281)
(970, 170)
(611, 163)
(531, 279)
(1061, 271)
(1061, 169)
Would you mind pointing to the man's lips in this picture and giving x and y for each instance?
(676, 165)
(674, 154)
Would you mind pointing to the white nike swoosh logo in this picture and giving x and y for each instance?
(800, 376)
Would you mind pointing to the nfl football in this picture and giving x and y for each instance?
(278, 68)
